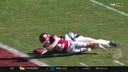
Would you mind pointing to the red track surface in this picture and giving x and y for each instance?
(9, 59)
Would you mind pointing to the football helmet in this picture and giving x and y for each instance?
(44, 37)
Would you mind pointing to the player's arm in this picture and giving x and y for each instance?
(54, 43)
(39, 51)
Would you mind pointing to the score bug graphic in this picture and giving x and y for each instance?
(117, 4)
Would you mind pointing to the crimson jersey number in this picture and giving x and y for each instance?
(60, 46)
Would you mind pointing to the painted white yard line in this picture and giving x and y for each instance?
(108, 7)
(118, 62)
(21, 54)
(83, 64)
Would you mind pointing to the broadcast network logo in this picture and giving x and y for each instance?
(117, 4)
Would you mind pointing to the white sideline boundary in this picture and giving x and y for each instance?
(21, 54)
(118, 62)
(83, 64)
(108, 7)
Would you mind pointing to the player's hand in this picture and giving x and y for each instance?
(39, 51)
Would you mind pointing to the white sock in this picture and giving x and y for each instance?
(104, 43)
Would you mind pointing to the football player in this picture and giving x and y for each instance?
(55, 42)
(76, 37)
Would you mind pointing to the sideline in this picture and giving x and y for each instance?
(108, 7)
(83, 64)
(118, 62)
(21, 54)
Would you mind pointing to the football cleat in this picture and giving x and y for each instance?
(112, 43)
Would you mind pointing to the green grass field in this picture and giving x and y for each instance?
(21, 22)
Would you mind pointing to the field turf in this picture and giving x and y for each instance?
(21, 22)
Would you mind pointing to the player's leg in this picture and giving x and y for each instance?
(76, 47)
(83, 46)
(107, 43)
(84, 39)
(79, 50)
(92, 40)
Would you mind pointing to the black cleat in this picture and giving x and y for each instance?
(112, 43)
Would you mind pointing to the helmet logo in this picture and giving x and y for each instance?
(45, 36)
